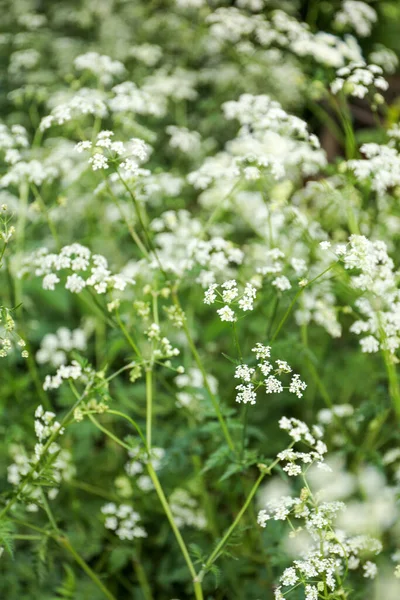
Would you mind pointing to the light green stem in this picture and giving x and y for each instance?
(63, 541)
(166, 507)
(149, 406)
(293, 302)
(196, 582)
(199, 363)
(214, 555)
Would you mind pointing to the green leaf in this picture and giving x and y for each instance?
(6, 539)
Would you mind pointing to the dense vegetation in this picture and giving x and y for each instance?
(200, 301)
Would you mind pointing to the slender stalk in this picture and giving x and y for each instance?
(293, 302)
(108, 433)
(130, 227)
(217, 551)
(142, 579)
(199, 363)
(217, 209)
(141, 221)
(394, 388)
(92, 489)
(132, 422)
(49, 512)
(196, 582)
(127, 334)
(166, 507)
(149, 405)
(214, 555)
(20, 236)
(244, 430)
(44, 209)
(63, 541)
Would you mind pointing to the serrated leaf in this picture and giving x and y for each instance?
(6, 539)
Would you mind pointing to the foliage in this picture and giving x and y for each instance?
(200, 308)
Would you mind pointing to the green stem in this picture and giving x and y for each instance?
(130, 227)
(132, 422)
(51, 439)
(49, 220)
(127, 334)
(141, 221)
(149, 406)
(196, 582)
(199, 363)
(394, 389)
(293, 302)
(166, 507)
(142, 579)
(49, 511)
(214, 555)
(63, 541)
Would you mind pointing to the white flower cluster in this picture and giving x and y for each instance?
(360, 16)
(186, 511)
(270, 142)
(181, 248)
(127, 155)
(232, 25)
(24, 465)
(328, 415)
(330, 551)
(385, 58)
(187, 141)
(11, 141)
(102, 66)
(379, 306)
(228, 294)
(123, 520)
(149, 54)
(73, 371)
(381, 166)
(357, 79)
(128, 98)
(86, 270)
(8, 336)
(55, 346)
(271, 382)
(32, 171)
(45, 425)
(162, 348)
(138, 458)
(319, 304)
(191, 398)
(86, 101)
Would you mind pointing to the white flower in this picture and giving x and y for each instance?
(370, 570)
(289, 576)
(369, 344)
(244, 372)
(226, 314)
(281, 283)
(75, 283)
(273, 385)
(49, 281)
(261, 351)
(98, 161)
(246, 394)
(297, 386)
(81, 146)
(325, 245)
(209, 295)
(292, 469)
